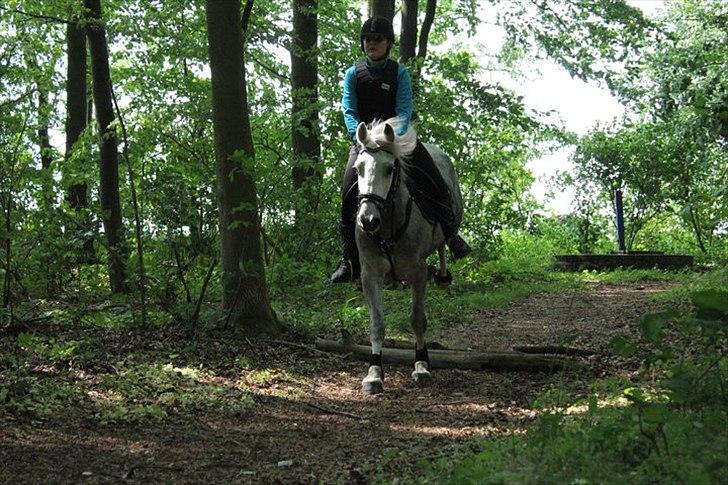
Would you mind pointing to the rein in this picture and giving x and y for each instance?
(386, 206)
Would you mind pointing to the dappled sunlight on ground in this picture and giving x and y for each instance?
(270, 413)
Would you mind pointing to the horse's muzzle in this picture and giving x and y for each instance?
(370, 223)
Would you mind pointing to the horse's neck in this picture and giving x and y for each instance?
(398, 215)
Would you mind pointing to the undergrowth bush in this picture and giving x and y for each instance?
(303, 297)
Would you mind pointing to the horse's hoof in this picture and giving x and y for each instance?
(443, 281)
(421, 374)
(373, 382)
(371, 387)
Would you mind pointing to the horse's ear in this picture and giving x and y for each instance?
(389, 133)
(361, 133)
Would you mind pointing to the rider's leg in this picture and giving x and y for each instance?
(432, 192)
(348, 269)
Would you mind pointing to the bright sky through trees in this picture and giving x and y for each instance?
(547, 86)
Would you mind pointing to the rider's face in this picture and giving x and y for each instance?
(375, 46)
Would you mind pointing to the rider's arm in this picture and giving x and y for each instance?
(350, 103)
(404, 106)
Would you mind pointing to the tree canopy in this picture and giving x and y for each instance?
(670, 156)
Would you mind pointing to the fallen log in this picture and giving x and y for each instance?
(553, 349)
(456, 359)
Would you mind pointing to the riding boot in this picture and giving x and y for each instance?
(348, 269)
(458, 247)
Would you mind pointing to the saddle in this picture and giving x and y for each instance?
(427, 187)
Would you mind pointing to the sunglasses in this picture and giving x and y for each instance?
(374, 38)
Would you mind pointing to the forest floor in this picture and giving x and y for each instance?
(308, 421)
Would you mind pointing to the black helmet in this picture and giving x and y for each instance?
(377, 25)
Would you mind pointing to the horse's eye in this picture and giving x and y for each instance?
(390, 170)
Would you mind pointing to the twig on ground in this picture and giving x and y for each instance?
(130, 472)
(426, 408)
(334, 411)
(306, 347)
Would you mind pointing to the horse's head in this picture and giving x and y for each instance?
(377, 171)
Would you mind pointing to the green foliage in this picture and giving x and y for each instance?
(50, 349)
(661, 171)
(659, 429)
(586, 38)
(716, 280)
(159, 60)
(620, 276)
(41, 382)
(520, 267)
(152, 392)
(38, 397)
(672, 159)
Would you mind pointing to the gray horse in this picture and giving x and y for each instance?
(393, 237)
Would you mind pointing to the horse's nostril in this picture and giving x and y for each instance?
(370, 223)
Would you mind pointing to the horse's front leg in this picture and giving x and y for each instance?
(372, 284)
(418, 282)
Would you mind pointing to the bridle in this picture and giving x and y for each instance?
(386, 206)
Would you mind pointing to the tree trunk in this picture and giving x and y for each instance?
(408, 36)
(697, 231)
(8, 222)
(304, 87)
(307, 172)
(426, 26)
(245, 294)
(78, 114)
(44, 144)
(381, 8)
(109, 178)
(75, 105)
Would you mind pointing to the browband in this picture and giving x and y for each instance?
(376, 149)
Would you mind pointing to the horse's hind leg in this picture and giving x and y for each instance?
(373, 383)
(443, 277)
(418, 282)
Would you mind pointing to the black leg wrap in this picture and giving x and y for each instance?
(376, 359)
(443, 281)
(421, 355)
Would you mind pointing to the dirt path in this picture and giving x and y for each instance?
(318, 427)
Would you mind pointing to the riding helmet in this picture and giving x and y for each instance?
(377, 25)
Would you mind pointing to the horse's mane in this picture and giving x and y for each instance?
(403, 145)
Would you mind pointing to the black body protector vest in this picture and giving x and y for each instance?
(377, 94)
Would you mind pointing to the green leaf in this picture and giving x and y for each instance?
(680, 384)
(635, 394)
(593, 404)
(652, 326)
(711, 304)
(623, 346)
(655, 413)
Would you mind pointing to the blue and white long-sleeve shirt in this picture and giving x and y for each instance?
(350, 102)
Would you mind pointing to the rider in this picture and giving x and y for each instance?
(378, 87)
